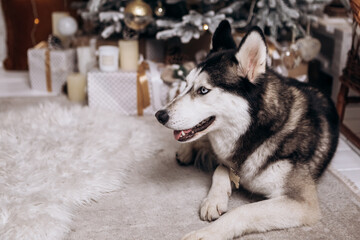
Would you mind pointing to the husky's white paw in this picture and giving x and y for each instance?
(184, 156)
(213, 206)
(204, 234)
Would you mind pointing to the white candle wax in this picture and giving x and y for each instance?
(108, 58)
(55, 17)
(85, 59)
(129, 54)
(76, 86)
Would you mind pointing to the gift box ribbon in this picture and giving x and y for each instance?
(40, 45)
(143, 95)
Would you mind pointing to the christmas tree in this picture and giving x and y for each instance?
(192, 18)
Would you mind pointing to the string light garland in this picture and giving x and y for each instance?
(36, 21)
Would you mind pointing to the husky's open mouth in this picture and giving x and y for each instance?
(184, 135)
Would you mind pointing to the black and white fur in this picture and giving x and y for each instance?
(277, 134)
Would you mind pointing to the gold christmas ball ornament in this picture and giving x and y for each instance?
(271, 47)
(159, 10)
(291, 57)
(138, 15)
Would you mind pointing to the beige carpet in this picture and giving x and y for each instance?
(161, 201)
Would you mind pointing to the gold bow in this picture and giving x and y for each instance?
(40, 45)
(143, 95)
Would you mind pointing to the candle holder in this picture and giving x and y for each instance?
(108, 58)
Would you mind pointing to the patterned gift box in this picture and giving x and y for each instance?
(120, 91)
(48, 69)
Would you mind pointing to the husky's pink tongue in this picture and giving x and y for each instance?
(177, 134)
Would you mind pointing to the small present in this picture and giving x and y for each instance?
(131, 93)
(48, 69)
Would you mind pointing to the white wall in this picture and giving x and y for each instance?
(2, 37)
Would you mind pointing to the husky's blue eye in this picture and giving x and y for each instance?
(203, 90)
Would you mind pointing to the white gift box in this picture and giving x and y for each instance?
(117, 91)
(61, 63)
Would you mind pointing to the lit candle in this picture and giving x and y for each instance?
(76, 87)
(129, 54)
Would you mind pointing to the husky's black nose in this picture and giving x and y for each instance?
(162, 116)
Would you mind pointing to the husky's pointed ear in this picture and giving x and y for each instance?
(252, 54)
(222, 38)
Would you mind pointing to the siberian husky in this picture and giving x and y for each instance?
(272, 135)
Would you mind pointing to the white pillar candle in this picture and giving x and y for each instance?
(55, 17)
(76, 87)
(108, 58)
(129, 54)
(85, 59)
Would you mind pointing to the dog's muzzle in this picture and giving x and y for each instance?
(162, 116)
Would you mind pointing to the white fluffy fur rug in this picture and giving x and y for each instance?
(53, 159)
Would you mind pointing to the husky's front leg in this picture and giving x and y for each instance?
(277, 213)
(216, 202)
